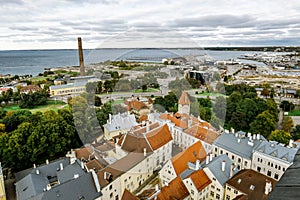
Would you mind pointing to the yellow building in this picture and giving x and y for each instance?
(68, 89)
(2, 187)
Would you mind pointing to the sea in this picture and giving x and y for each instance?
(33, 62)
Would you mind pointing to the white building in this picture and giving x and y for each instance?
(238, 147)
(272, 159)
(180, 163)
(118, 124)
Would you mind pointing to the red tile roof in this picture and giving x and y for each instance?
(204, 134)
(243, 180)
(200, 179)
(135, 104)
(84, 153)
(159, 137)
(127, 195)
(32, 88)
(95, 165)
(176, 190)
(184, 99)
(191, 154)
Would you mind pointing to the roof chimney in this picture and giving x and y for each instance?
(291, 143)
(207, 159)
(258, 136)
(61, 166)
(239, 140)
(210, 157)
(34, 165)
(223, 165)
(145, 152)
(156, 187)
(82, 72)
(110, 119)
(82, 165)
(47, 162)
(268, 187)
(48, 187)
(254, 137)
(37, 171)
(197, 164)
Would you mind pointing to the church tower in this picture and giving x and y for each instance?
(184, 104)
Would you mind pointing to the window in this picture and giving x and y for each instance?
(283, 169)
(232, 157)
(228, 188)
(235, 192)
(246, 163)
(110, 187)
(111, 195)
(258, 169)
(239, 160)
(269, 173)
(276, 176)
(227, 197)
(218, 189)
(212, 194)
(117, 197)
(217, 196)
(221, 151)
(192, 192)
(213, 186)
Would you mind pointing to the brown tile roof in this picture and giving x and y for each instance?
(184, 99)
(127, 195)
(191, 154)
(200, 179)
(120, 167)
(143, 118)
(84, 153)
(134, 143)
(32, 88)
(95, 165)
(135, 104)
(250, 177)
(159, 137)
(204, 134)
(176, 190)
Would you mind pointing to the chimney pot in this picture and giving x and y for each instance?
(61, 166)
(47, 161)
(223, 165)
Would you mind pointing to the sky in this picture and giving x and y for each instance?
(56, 24)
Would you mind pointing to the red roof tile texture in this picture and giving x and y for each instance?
(191, 154)
(176, 190)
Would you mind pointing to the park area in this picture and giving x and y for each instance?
(51, 105)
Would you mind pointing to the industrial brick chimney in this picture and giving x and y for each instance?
(82, 71)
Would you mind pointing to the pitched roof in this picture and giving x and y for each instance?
(184, 99)
(239, 145)
(178, 121)
(30, 88)
(202, 133)
(245, 179)
(119, 121)
(135, 104)
(200, 179)
(191, 154)
(127, 195)
(176, 190)
(84, 153)
(215, 166)
(137, 140)
(120, 167)
(288, 188)
(159, 137)
(95, 165)
(277, 151)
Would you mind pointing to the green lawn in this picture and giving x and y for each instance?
(294, 113)
(51, 105)
(210, 94)
(148, 90)
(117, 102)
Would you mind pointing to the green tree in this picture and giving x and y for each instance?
(280, 136)
(287, 106)
(144, 88)
(296, 132)
(238, 121)
(287, 124)
(263, 124)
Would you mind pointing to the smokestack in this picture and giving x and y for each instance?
(47, 162)
(223, 165)
(82, 72)
(145, 152)
(61, 166)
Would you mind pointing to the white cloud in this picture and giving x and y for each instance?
(27, 24)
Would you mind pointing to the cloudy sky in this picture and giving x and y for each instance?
(49, 24)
